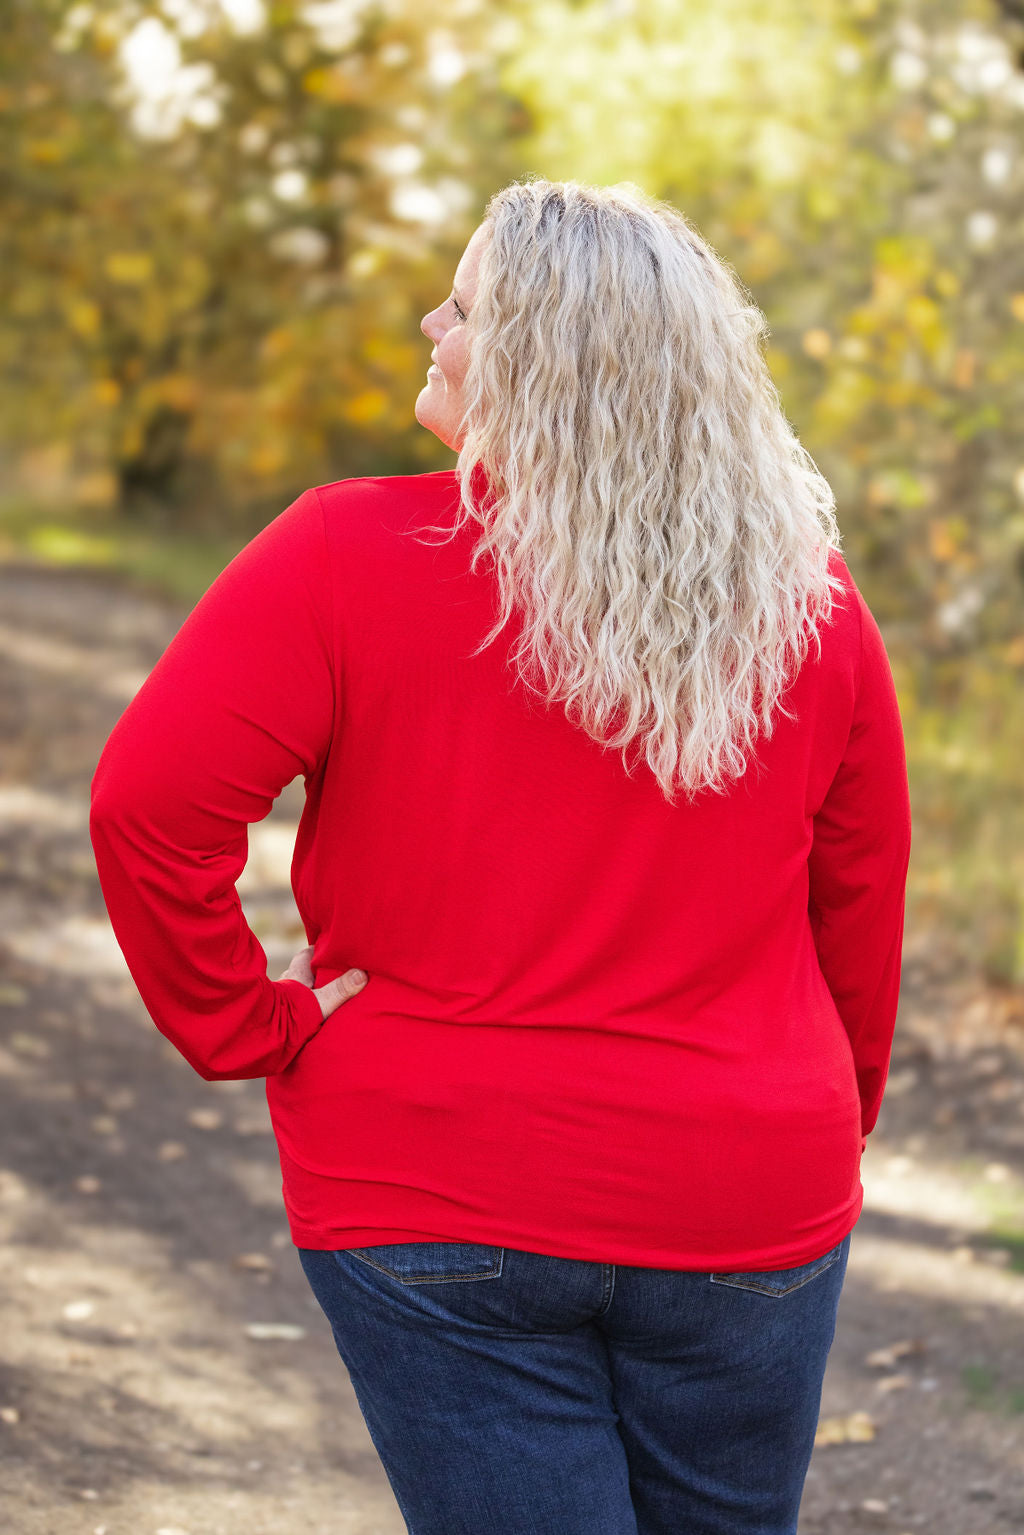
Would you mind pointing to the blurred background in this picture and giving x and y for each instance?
(220, 224)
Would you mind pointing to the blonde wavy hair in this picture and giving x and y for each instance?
(644, 499)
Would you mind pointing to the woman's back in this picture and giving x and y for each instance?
(598, 1025)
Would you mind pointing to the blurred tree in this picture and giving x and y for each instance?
(219, 242)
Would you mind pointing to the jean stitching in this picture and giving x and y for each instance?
(739, 1283)
(493, 1272)
(608, 1290)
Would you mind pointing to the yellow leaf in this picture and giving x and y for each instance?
(887, 289)
(276, 342)
(44, 469)
(267, 457)
(45, 151)
(779, 362)
(963, 368)
(922, 312)
(328, 84)
(885, 1358)
(178, 390)
(854, 1428)
(129, 266)
(366, 407)
(84, 317)
(942, 547)
(106, 391)
(96, 489)
(817, 342)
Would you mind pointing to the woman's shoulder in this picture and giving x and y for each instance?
(375, 487)
(847, 601)
(369, 506)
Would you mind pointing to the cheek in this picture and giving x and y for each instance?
(453, 356)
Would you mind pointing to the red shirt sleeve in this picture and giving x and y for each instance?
(240, 703)
(858, 871)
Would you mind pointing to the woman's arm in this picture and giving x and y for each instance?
(858, 871)
(240, 703)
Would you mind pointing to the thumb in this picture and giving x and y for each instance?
(340, 990)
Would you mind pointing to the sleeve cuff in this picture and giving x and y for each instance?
(305, 1009)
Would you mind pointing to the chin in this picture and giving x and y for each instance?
(435, 427)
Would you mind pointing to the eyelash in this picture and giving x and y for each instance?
(458, 311)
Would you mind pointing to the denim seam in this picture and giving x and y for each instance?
(494, 1272)
(739, 1282)
(608, 1287)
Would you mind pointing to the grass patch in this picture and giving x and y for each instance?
(980, 1383)
(152, 560)
(985, 1390)
(1003, 1204)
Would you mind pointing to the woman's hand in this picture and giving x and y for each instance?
(335, 992)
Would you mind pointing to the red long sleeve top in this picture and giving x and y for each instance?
(596, 1025)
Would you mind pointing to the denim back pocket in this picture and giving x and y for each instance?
(779, 1282)
(432, 1262)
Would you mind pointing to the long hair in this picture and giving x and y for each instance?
(647, 506)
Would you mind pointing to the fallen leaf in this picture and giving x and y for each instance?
(253, 1261)
(284, 1330)
(171, 1151)
(251, 1125)
(78, 1310)
(885, 1358)
(854, 1428)
(206, 1119)
(12, 1188)
(27, 1044)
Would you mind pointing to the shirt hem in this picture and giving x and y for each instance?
(335, 1239)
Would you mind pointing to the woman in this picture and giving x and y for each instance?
(573, 1176)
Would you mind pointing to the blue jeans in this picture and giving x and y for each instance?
(522, 1394)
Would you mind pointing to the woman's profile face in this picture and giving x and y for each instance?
(439, 404)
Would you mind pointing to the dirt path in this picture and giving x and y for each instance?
(142, 1226)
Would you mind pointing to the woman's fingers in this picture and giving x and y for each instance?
(300, 967)
(335, 992)
(339, 990)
